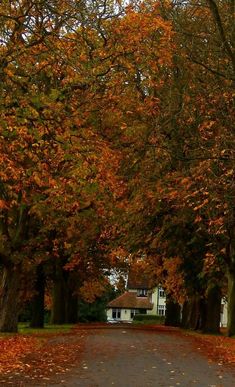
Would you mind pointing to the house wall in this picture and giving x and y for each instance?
(153, 299)
(109, 314)
(157, 301)
(224, 313)
(125, 314)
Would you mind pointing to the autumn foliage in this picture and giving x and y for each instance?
(116, 136)
(13, 350)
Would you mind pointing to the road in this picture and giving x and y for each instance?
(139, 358)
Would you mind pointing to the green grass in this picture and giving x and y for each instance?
(23, 328)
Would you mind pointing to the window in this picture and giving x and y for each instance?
(142, 292)
(116, 313)
(161, 293)
(134, 312)
(161, 310)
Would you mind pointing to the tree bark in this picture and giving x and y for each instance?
(58, 312)
(231, 302)
(193, 313)
(71, 307)
(37, 304)
(185, 315)
(172, 313)
(9, 298)
(213, 308)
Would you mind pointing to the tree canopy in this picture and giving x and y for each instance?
(116, 141)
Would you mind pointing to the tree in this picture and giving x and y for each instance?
(60, 65)
(44, 157)
(187, 148)
(207, 43)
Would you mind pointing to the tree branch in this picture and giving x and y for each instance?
(210, 69)
(218, 21)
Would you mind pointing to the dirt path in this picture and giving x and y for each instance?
(140, 358)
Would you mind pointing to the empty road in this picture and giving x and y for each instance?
(126, 357)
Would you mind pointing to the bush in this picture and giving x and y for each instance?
(148, 318)
(92, 312)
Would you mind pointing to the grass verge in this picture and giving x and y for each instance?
(25, 329)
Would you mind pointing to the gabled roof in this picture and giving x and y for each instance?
(130, 300)
(138, 281)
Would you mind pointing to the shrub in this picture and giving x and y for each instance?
(148, 318)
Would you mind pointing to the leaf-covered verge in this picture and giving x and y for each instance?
(220, 349)
(37, 357)
(217, 348)
(13, 350)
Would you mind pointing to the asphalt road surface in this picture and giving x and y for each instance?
(140, 358)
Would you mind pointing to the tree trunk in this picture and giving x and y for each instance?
(71, 307)
(185, 315)
(37, 304)
(194, 316)
(197, 317)
(231, 302)
(202, 316)
(193, 313)
(58, 312)
(9, 299)
(190, 314)
(213, 308)
(172, 313)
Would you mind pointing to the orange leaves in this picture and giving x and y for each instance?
(217, 348)
(186, 182)
(29, 359)
(13, 349)
(140, 26)
(201, 205)
(3, 204)
(198, 219)
(174, 281)
(91, 289)
(173, 194)
(118, 255)
(210, 265)
(9, 72)
(75, 261)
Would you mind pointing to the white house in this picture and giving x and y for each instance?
(139, 298)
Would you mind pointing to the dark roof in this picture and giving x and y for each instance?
(130, 300)
(138, 281)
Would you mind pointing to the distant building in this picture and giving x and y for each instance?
(140, 298)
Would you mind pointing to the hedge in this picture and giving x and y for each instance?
(148, 317)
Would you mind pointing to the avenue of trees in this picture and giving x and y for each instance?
(117, 142)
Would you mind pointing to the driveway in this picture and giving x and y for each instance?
(125, 357)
